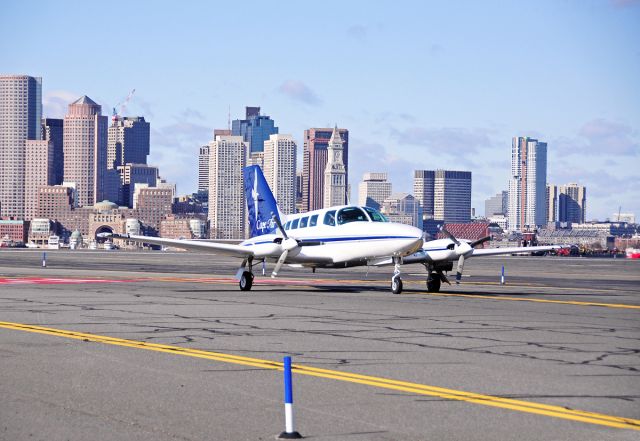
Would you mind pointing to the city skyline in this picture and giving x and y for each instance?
(413, 93)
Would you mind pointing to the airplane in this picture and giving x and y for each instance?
(438, 256)
(336, 237)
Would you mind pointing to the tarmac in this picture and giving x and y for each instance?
(107, 345)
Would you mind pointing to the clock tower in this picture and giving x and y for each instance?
(335, 185)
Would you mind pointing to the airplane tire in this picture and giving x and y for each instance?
(433, 285)
(396, 285)
(246, 280)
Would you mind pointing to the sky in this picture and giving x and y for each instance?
(419, 84)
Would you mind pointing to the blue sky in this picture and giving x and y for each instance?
(418, 84)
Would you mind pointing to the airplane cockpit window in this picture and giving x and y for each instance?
(330, 218)
(351, 214)
(313, 221)
(375, 215)
(294, 224)
(303, 222)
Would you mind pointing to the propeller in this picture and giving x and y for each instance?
(288, 244)
(463, 249)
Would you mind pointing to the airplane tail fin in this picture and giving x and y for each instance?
(260, 202)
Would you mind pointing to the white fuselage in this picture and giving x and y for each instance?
(338, 244)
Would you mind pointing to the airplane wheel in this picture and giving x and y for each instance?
(246, 280)
(396, 285)
(433, 285)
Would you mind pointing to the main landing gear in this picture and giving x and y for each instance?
(436, 277)
(396, 281)
(245, 277)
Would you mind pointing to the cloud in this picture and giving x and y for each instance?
(191, 113)
(448, 140)
(298, 91)
(600, 137)
(357, 32)
(56, 102)
(624, 3)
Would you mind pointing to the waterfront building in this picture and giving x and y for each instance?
(423, 187)
(132, 174)
(85, 150)
(373, 190)
(528, 183)
(227, 159)
(572, 203)
(38, 171)
(316, 143)
(20, 119)
(128, 141)
(280, 170)
(255, 129)
(552, 203)
(335, 182)
(53, 130)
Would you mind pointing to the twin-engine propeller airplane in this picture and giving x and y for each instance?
(336, 237)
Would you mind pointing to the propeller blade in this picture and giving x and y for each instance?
(449, 235)
(459, 269)
(279, 263)
(279, 224)
(479, 241)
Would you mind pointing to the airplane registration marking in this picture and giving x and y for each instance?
(380, 382)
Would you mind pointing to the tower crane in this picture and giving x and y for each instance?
(122, 106)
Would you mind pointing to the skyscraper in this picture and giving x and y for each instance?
(572, 203)
(552, 203)
(227, 158)
(85, 150)
(38, 171)
(335, 182)
(316, 141)
(128, 141)
(255, 129)
(203, 169)
(528, 183)
(132, 174)
(373, 189)
(53, 130)
(280, 170)
(452, 196)
(20, 115)
(423, 186)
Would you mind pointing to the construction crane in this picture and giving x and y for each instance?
(122, 105)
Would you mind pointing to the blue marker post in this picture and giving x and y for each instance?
(44, 260)
(502, 276)
(289, 432)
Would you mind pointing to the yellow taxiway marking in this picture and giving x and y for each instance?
(385, 383)
(480, 296)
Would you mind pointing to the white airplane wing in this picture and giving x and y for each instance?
(512, 250)
(195, 245)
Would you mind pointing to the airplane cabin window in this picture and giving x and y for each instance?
(287, 225)
(303, 222)
(375, 215)
(294, 224)
(313, 221)
(351, 214)
(330, 218)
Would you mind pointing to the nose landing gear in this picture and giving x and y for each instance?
(396, 281)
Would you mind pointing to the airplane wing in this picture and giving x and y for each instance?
(512, 250)
(195, 245)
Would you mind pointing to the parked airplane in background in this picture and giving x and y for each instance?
(438, 256)
(336, 237)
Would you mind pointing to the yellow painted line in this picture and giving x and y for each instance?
(480, 296)
(385, 383)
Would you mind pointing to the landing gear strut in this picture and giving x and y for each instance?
(396, 281)
(246, 278)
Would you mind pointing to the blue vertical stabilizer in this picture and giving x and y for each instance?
(260, 202)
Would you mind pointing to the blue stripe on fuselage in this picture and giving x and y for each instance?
(339, 239)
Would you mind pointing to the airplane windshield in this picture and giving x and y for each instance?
(375, 215)
(351, 214)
